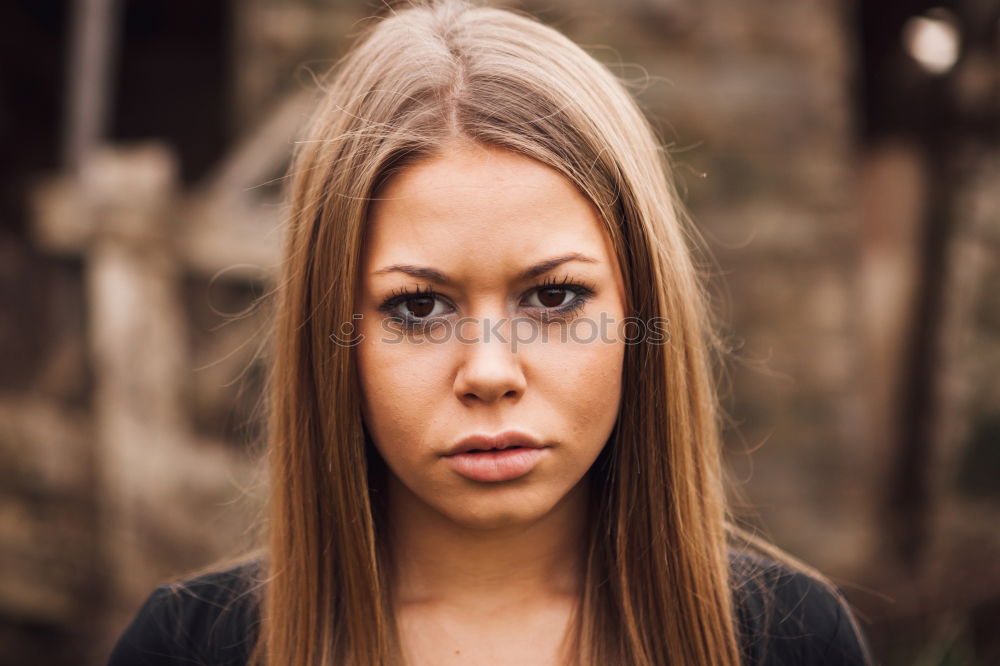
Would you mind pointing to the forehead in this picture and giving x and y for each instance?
(483, 207)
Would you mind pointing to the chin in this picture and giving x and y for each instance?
(493, 513)
(497, 520)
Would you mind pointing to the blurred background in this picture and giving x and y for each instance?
(841, 158)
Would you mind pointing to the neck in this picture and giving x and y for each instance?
(439, 562)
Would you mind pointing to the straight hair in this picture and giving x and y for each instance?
(657, 585)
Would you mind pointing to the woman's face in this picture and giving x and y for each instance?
(492, 350)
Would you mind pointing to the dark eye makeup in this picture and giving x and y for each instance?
(551, 293)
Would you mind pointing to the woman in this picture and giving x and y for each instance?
(493, 432)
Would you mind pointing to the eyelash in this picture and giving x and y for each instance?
(583, 290)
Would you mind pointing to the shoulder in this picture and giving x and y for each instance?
(786, 616)
(207, 619)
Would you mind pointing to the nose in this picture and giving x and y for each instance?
(490, 367)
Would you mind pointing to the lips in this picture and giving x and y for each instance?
(506, 440)
(508, 456)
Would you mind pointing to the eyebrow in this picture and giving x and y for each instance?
(434, 275)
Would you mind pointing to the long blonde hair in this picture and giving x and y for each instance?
(657, 587)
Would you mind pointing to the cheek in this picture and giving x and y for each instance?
(399, 392)
(582, 384)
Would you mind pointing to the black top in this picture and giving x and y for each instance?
(784, 618)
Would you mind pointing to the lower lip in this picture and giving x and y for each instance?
(493, 466)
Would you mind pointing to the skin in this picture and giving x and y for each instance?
(478, 563)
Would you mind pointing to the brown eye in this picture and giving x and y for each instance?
(420, 307)
(413, 310)
(553, 297)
